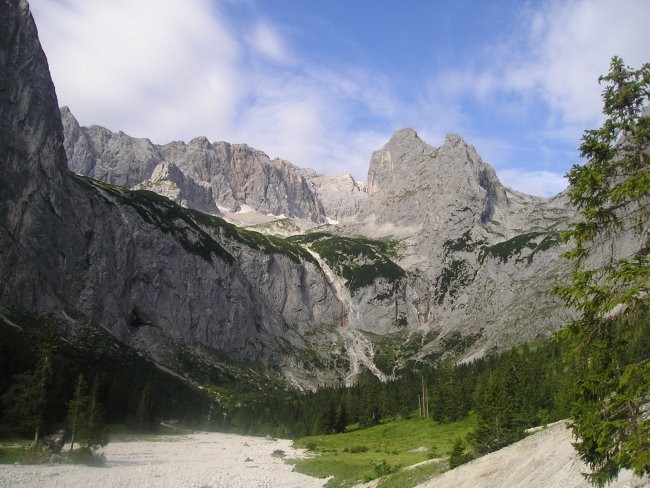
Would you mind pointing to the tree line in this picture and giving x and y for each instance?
(41, 383)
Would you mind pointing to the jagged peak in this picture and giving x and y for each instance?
(167, 170)
(404, 134)
(454, 139)
(200, 141)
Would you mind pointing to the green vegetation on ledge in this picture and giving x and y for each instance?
(197, 232)
(505, 250)
(366, 454)
(360, 260)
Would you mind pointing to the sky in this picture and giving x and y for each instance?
(324, 83)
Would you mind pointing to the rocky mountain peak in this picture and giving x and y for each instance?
(412, 183)
(200, 142)
(405, 134)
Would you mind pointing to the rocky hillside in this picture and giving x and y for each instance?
(434, 258)
(154, 274)
(546, 459)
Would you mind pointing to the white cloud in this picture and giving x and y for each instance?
(266, 41)
(143, 66)
(576, 41)
(173, 69)
(540, 183)
(556, 57)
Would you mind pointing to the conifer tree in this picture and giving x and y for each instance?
(341, 417)
(97, 434)
(77, 411)
(26, 401)
(85, 416)
(609, 287)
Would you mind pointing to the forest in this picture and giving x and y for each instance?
(530, 385)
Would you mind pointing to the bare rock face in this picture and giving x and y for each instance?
(479, 258)
(342, 196)
(135, 263)
(410, 181)
(115, 158)
(169, 181)
(235, 173)
(34, 185)
(435, 255)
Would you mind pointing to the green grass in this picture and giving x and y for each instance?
(407, 478)
(388, 445)
(13, 450)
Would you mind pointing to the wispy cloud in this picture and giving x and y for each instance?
(546, 70)
(172, 69)
(267, 42)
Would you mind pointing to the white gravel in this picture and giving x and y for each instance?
(206, 460)
(546, 459)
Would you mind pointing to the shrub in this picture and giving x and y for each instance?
(356, 449)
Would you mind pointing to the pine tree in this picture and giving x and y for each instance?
(77, 408)
(26, 401)
(608, 288)
(144, 415)
(458, 456)
(341, 417)
(96, 434)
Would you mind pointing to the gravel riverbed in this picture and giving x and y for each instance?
(205, 460)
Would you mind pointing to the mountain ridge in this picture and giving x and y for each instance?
(436, 260)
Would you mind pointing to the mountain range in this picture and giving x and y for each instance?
(213, 249)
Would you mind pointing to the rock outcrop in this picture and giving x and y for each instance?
(169, 181)
(546, 459)
(237, 174)
(434, 258)
(410, 182)
(341, 195)
(135, 263)
(479, 258)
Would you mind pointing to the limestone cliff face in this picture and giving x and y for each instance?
(434, 257)
(411, 181)
(342, 196)
(115, 158)
(236, 174)
(34, 184)
(132, 262)
(168, 180)
(480, 258)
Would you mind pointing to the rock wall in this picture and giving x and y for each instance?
(131, 260)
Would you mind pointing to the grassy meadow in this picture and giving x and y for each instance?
(383, 451)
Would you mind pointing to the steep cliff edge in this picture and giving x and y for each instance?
(135, 263)
(436, 257)
(478, 259)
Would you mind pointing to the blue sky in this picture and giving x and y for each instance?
(323, 83)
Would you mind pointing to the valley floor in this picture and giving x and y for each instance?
(206, 460)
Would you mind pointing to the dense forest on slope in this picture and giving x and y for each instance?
(507, 393)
